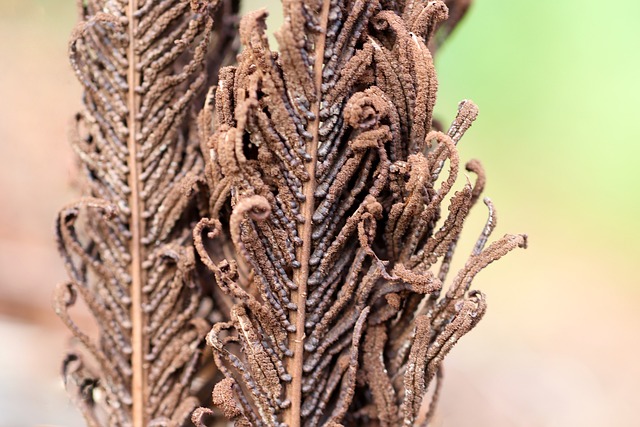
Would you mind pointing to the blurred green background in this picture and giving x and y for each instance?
(557, 83)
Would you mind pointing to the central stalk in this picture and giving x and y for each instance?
(138, 341)
(301, 275)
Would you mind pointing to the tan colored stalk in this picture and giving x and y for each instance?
(301, 275)
(138, 381)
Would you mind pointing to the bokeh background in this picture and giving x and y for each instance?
(558, 85)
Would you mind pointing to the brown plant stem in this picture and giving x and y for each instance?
(301, 275)
(139, 381)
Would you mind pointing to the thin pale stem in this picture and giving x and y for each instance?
(299, 297)
(138, 382)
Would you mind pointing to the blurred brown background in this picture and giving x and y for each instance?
(557, 85)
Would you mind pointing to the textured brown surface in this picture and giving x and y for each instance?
(558, 346)
(327, 176)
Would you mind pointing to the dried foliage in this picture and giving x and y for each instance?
(331, 228)
(127, 245)
(329, 222)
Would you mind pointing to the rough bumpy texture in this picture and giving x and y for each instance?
(127, 245)
(334, 228)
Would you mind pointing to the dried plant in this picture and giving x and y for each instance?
(127, 245)
(327, 230)
(327, 215)
(324, 219)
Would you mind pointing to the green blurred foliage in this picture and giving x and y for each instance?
(557, 85)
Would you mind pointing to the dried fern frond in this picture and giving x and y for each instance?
(127, 245)
(327, 212)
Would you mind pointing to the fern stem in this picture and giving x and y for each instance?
(293, 415)
(138, 385)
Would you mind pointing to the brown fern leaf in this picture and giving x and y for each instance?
(127, 244)
(327, 155)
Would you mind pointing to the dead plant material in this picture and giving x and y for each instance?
(127, 245)
(334, 228)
